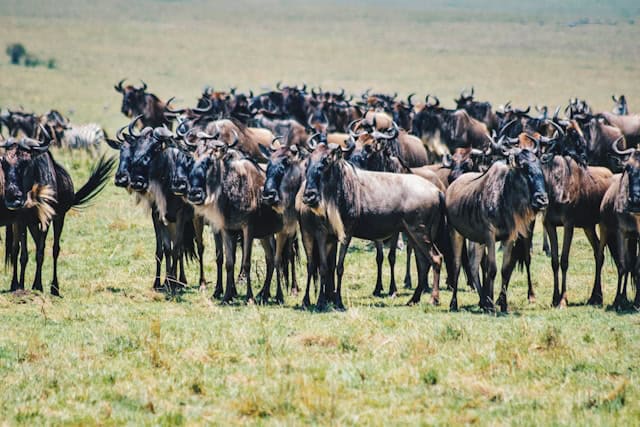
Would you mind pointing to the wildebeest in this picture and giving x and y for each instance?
(146, 167)
(600, 141)
(136, 101)
(575, 193)
(497, 205)
(629, 125)
(620, 228)
(28, 163)
(481, 111)
(372, 206)
(226, 188)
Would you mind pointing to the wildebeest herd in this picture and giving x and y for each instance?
(315, 167)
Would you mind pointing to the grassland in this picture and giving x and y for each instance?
(114, 352)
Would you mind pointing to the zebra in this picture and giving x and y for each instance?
(87, 136)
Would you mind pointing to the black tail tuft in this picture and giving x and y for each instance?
(519, 253)
(189, 249)
(98, 179)
(443, 241)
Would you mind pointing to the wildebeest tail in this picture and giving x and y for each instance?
(519, 252)
(443, 241)
(96, 182)
(189, 248)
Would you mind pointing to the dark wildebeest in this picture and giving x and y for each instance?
(575, 194)
(620, 108)
(481, 111)
(136, 101)
(284, 177)
(372, 206)
(226, 188)
(620, 225)
(27, 164)
(146, 167)
(497, 205)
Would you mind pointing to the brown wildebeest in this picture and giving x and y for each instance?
(136, 101)
(497, 205)
(372, 206)
(600, 142)
(620, 225)
(226, 188)
(481, 111)
(629, 125)
(575, 194)
(249, 138)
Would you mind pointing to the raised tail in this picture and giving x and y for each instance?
(96, 182)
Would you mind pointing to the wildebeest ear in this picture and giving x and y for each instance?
(113, 144)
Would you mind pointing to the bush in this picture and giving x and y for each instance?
(16, 51)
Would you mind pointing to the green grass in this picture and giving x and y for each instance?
(114, 352)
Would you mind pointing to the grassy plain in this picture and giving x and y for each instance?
(114, 352)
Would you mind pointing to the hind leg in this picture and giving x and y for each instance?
(596, 293)
(407, 274)
(393, 247)
(58, 225)
(377, 291)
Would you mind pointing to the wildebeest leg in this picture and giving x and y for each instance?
(295, 253)
(393, 247)
(40, 237)
(13, 236)
(620, 258)
(198, 226)
(265, 293)
(457, 244)
(247, 243)
(159, 251)
(326, 290)
(219, 244)
(308, 243)
(466, 266)
(545, 243)
(182, 276)
(508, 263)
(344, 247)
(596, 292)
(636, 278)
(491, 274)
(474, 253)
(527, 263)
(555, 264)
(230, 243)
(58, 225)
(407, 274)
(377, 291)
(632, 250)
(564, 261)
(435, 260)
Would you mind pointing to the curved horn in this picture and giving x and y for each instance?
(614, 99)
(447, 161)
(311, 144)
(162, 133)
(204, 110)
(557, 126)
(119, 87)
(437, 104)
(535, 141)
(476, 152)
(619, 152)
(204, 135)
(275, 138)
(132, 126)
(235, 139)
(144, 85)
(352, 126)
(166, 107)
(278, 85)
(341, 93)
(505, 127)
(119, 135)
(526, 111)
(409, 99)
(556, 112)
(304, 87)
(472, 91)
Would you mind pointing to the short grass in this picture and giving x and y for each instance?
(114, 352)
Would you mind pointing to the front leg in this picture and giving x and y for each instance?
(377, 291)
(230, 242)
(344, 247)
(564, 261)
(247, 242)
(491, 274)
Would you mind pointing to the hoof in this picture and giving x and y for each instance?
(378, 294)
(532, 299)
(435, 301)
(412, 302)
(407, 285)
(595, 300)
(453, 306)
(392, 294)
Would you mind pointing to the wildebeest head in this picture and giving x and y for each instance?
(526, 162)
(281, 160)
(321, 170)
(123, 145)
(630, 181)
(145, 154)
(133, 98)
(180, 164)
(620, 106)
(18, 169)
(463, 160)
